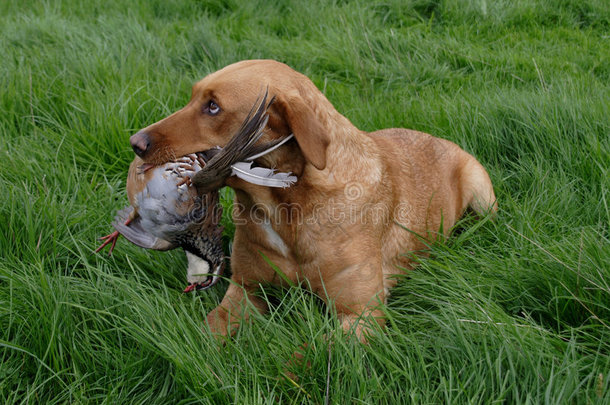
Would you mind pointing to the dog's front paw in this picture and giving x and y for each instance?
(218, 323)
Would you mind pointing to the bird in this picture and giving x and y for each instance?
(176, 204)
(166, 212)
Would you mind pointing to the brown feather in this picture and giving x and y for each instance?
(239, 148)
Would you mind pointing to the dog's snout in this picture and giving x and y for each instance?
(140, 143)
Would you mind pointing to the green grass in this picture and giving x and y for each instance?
(511, 311)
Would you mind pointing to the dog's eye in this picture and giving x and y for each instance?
(211, 108)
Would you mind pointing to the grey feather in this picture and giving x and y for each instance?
(262, 176)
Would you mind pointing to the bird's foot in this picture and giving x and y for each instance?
(110, 238)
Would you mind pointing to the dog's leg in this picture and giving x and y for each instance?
(360, 324)
(356, 295)
(233, 308)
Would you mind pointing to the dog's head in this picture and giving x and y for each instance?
(220, 103)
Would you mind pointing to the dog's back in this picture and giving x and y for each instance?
(435, 165)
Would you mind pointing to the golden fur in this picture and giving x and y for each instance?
(341, 227)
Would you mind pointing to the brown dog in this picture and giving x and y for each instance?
(361, 202)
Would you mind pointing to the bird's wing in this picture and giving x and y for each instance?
(136, 234)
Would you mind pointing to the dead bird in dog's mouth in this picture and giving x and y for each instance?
(167, 211)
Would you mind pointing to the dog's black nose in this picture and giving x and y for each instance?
(140, 143)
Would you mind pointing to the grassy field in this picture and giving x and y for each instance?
(511, 311)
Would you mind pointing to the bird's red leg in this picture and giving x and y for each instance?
(108, 239)
(111, 238)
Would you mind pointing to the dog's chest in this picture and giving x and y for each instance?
(273, 239)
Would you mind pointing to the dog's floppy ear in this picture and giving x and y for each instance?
(311, 135)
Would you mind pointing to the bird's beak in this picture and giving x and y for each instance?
(209, 282)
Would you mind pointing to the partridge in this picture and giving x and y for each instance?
(166, 212)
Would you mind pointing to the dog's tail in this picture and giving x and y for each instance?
(478, 192)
